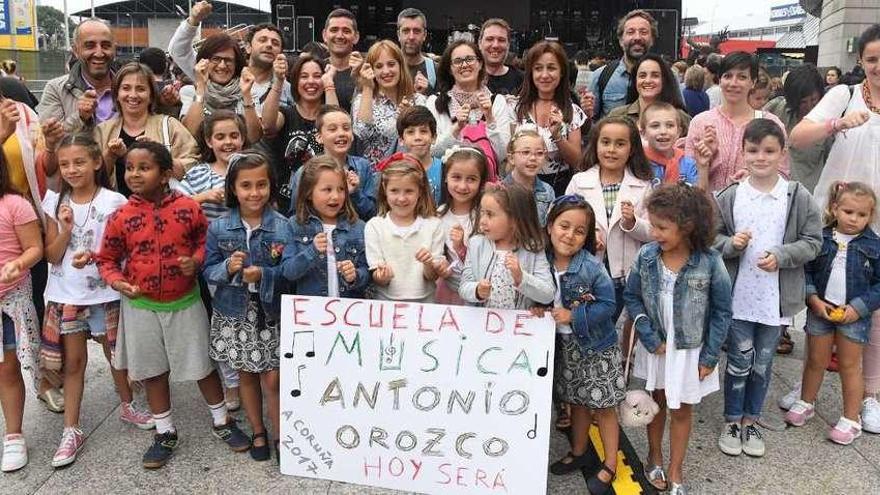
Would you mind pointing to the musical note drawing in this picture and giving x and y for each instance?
(310, 353)
(390, 354)
(533, 433)
(296, 392)
(542, 371)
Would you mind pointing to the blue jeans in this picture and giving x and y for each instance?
(750, 350)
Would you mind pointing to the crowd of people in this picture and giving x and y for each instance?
(165, 216)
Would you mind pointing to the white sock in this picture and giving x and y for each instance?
(219, 413)
(163, 422)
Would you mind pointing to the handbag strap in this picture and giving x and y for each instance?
(629, 348)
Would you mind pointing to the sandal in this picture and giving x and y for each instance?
(261, 452)
(786, 344)
(598, 487)
(53, 399)
(656, 476)
(577, 463)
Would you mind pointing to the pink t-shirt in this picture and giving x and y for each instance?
(729, 158)
(14, 211)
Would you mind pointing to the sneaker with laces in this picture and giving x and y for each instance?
(800, 413)
(788, 400)
(129, 413)
(871, 415)
(845, 431)
(752, 441)
(72, 440)
(161, 450)
(730, 441)
(233, 436)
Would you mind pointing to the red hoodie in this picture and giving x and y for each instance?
(148, 239)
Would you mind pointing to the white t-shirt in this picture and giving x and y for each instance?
(755, 291)
(835, 291)
(248, 233)
(561, 328)
(332, 274)
(714, 94)
(83, 287)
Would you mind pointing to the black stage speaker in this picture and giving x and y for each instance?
(305, 31)
(668, 25)
(284, 18)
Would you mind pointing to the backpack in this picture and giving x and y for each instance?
(476, 135)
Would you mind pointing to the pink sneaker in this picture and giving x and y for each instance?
(845, 431)
(132, 415)
(800, 413)
(72, 440)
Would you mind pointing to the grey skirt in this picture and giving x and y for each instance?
(584, 378)
(247, 344)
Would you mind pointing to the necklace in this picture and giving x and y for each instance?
(866, 95)
(88, 210)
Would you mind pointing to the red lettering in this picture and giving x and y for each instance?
(519, 319)
(442, 468)
(448, 319)
(418, 466)
(297, 312)
(391, 467)
(459, 476)
(377, 323)
(422, 328)
(330, 313)
(398, 316)
(377, 467)
(499, 481)
(499, 321)
(345, 316)
(481, 478)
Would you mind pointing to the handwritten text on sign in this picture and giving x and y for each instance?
(417, 397)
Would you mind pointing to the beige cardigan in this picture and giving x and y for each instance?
(183, 146)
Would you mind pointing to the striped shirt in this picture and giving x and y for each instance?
(202, 178)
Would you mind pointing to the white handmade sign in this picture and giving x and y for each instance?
(415, 397)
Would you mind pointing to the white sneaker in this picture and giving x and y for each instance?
(871, 415)
(788, 400)
(14, 453)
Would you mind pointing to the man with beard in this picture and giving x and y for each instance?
(340, 34)
(411, 34)
(82, 98)
(636, 33)
(494, 45)
(263, 43)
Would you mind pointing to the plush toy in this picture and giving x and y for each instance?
(637, 409)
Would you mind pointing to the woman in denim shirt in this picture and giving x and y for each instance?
(327, 256)
(243, 260)
(589, 372)
(679, 295)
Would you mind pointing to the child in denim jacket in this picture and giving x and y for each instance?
(243, 262)
(843, 289)
(327, 256)
(588, 375)
(678, 293)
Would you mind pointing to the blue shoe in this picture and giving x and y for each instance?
(161, 450)
(233, 436)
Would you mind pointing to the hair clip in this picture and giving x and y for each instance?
(455, 149)
(526, 127)
(397, 157)
(569, 198)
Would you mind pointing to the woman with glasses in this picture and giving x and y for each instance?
(545, 102)
(466, 111)
(221, 80)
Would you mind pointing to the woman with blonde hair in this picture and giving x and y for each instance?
(385, 88)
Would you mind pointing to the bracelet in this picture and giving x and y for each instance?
(831, 126)
(199, 98)
(329, 88)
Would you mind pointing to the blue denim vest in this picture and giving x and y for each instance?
(307, 268)
(702, 310)
(268, 243)
(590, 320)
(862, 270)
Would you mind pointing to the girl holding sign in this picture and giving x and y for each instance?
(588, 374)
(243, 260)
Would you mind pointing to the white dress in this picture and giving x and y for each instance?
(677, 371)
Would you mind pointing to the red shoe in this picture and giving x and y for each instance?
(832, 365)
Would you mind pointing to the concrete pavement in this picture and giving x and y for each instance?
(798, 460)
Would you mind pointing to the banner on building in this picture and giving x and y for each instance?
(18, 26)
(416, 397)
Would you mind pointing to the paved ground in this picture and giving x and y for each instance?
(797, 461)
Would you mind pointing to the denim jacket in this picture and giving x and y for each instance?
(590, 320)
(544, 196)
(307, 268)
(269, 241)
(702, 294)
(862, 270)
(363, 198)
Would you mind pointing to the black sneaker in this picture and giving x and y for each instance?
(161, 450)
(234, 437)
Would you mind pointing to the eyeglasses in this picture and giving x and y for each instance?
(216, 60)
(469, 60)
(539, 154)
